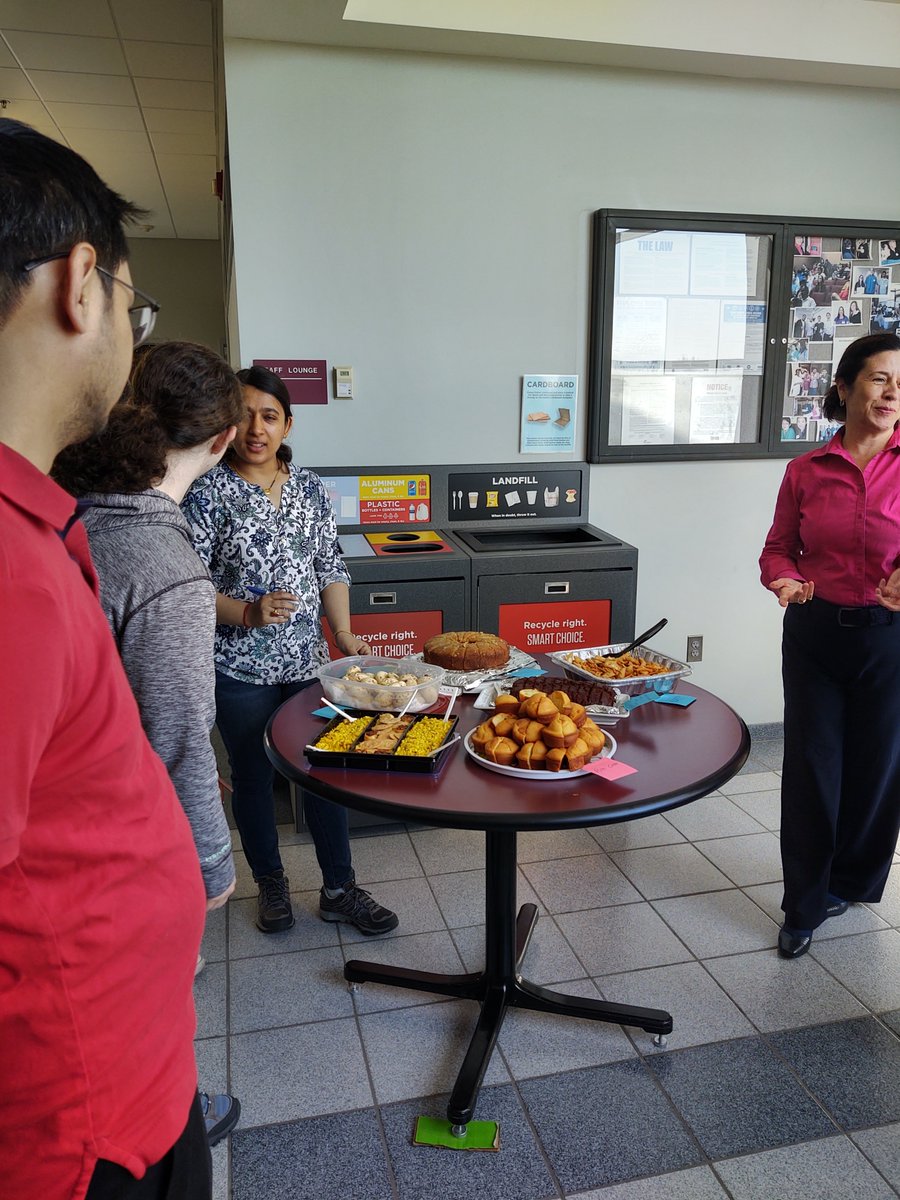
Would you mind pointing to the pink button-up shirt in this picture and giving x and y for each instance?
(837, 525)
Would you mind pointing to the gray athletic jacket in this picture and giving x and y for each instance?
(161, 605)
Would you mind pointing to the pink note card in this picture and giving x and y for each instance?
(609, 768)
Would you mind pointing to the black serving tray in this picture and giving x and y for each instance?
(427, 765)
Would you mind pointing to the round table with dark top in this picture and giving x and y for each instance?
(680, 754)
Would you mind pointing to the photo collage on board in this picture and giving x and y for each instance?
(841, 289)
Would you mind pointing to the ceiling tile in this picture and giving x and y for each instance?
(165, 21)
(89, 17)
(184, 143)
(6, 58)
(196, 219)
(83, 89)
(14, 85)
(167, 60)
(176, 93)
(162, 229)
(90, 142)
(180, 120)
(32, 112)
(96, 116)
(179, 172)
(57, 52)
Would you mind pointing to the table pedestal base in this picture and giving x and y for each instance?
(500, 985)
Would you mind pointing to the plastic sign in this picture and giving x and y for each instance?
(562, 625)
(305, 378)
(392, 635)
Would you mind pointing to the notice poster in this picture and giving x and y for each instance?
(394, 500)
(715, 407)
(639, 334)
(391, 635)
(567, 625)
(648, 411)
(653, 263)
(549, 406)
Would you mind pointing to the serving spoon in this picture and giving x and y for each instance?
(651, 632)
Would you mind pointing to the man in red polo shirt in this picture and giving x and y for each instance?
(101, 898)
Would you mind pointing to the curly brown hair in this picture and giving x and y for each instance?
(180, 395)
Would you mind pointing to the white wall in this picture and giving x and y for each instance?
(426, 220)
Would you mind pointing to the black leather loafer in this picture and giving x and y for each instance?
(836, 908)
(792, 945)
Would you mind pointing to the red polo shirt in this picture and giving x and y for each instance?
(101, 899)
(837, 525)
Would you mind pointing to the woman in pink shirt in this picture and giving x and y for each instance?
(832, 557)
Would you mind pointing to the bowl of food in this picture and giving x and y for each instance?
(643, 670)
(376, 684)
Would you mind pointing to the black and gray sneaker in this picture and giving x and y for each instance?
(274, 911)
(355, 906)
(220, 1114)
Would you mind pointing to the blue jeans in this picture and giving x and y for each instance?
(242, 713)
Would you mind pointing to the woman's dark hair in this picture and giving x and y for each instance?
(179, 396)
(273, 385)
(852, 362)
(51, 199)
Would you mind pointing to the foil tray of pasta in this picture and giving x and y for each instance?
(642, 670)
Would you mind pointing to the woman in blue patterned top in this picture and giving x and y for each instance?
(266, 530)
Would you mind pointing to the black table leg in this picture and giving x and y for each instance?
(500, 985)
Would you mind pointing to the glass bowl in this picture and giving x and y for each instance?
(341, 684)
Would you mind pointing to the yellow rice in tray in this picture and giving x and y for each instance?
(344, 735)
(426, 735)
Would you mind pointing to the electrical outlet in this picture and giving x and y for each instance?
(694, 648)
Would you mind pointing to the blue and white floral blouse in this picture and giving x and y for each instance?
(247, 542)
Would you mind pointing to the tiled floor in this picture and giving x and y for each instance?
(781, 1080)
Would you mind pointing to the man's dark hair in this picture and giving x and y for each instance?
(51, 199)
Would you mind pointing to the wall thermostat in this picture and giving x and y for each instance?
(343, 383)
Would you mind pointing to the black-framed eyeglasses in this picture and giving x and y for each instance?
(142, 316)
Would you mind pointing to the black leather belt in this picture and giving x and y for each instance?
(862, 618)
(857, 618)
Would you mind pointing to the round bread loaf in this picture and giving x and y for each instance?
(468, 651)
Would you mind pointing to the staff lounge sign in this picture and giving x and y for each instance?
(307, 382)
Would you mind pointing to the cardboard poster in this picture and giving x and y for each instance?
(549, 406)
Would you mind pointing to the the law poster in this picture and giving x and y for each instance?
(549, 406)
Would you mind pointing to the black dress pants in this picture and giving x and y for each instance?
(185, 1173)
(840, 788)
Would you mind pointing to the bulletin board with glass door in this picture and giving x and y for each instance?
(717, 337)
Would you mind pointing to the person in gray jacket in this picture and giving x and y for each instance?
(173, 424)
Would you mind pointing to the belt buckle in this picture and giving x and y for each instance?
(853, 614)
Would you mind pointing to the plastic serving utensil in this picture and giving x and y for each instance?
(453, 698)
(337, 709)
(644, 637)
